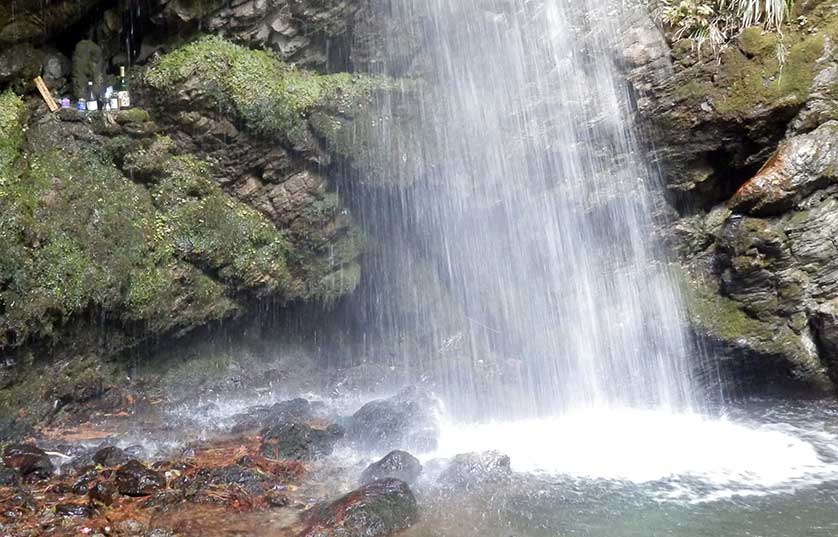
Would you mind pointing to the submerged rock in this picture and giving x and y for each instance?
(406, 420)
(28, 459)
(378, 509)
(298, 441)
(469, 469)
(135, 479)
(396, 464)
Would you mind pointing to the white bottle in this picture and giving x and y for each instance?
(112, 98)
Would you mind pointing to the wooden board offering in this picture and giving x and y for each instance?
(45, 94)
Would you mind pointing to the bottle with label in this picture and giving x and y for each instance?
(122, 93)
(113, 100)
(92, 100)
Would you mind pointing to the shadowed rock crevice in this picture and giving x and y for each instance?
(746, 146)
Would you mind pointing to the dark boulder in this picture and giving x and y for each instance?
(28, 459)
(378, 509)
(299, 441)
(135, 479)
(110, 456)
(84, 481)
(103, 492)
(406, 420)
(293, 411)
(469, 469)
(297, 410)
(396, 464)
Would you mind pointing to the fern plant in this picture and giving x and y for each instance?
(717, 21)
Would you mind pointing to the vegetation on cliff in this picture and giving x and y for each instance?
(271, 97)
(80, 236)
(11, 132)
(717, 21)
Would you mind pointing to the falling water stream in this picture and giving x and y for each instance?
(534, 210)
(525, 240)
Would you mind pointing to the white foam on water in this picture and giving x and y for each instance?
(700, 457)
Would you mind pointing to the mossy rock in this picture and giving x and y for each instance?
(269, 96)
(755, 41)
(723, 321)
(224, 237)
(77, 235)
(747, 84)
(11, 132)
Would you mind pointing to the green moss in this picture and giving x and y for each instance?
(724, 320)
(755, 41)
(225, 237)
(720, 316)
(748, 82)
(269, 96)
(769, 81)
(339, 283)
(11, 132)
(76, 235)
(132, 115)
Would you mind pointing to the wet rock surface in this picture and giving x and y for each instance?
(135, 479)
(110, 456)
(800, 166)
(406, 420)
(467, 470)
(211, 481)
(28, 459)
(747, 149)
(378, 509)
(297, 410)
(396, 465)
(299, 441)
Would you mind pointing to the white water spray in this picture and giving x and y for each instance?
(521, 247)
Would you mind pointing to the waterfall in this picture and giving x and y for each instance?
(516, 233)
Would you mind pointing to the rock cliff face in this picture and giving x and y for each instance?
(215, 199)
(747, 147)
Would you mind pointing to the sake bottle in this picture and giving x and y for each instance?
(122, 93)
(92, 99)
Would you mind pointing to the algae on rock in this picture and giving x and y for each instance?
(11, 132)
(270, 97)
(78, 236)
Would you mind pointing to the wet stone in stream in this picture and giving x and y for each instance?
(396, 464)
(28, 459)
(378, 509)
(110, 456)
(299, 441)
(470, 469)
(405, 421)
(297, 410)
(135, 479)
(73, 510)
(104, 492)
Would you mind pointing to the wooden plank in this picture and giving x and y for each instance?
(45, 94)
